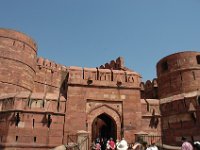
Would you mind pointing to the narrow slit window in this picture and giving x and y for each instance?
(35, 139)
(198, 100)
(17, 120)
(33, 123)
(193, 74)
(164, 66)
(181, 76)
(184, 101)
(198, 59)
(16, 138)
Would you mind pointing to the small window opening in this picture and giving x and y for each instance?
(16, 138)
(112, 76)
(198, 100)
(43, 103)
(181, 76)
(17, 119)
(148, 107)
(49, 120)
(184, 101)
(33, 123)
(35, 139)
(58, 106)
(198, 59)
(126, 77)
(83, 74)
(132, 79)
(164, 66)
(97, 73)
(193, 74)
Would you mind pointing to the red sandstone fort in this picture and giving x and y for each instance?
(44, 104)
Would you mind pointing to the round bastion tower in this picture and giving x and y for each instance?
(18, 53)
(178, 73)
(179, 90)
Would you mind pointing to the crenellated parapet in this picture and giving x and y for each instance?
(149, 89)
(49, 76)
(51, 65)
(117, 64)
(103, 77)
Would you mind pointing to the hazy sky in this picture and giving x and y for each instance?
(89, 33)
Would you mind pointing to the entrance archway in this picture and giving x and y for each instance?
(102, 113)
(104, 126)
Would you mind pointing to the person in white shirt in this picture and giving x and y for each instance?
(123, 145)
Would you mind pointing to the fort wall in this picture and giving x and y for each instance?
(35, 88)
(49, 76)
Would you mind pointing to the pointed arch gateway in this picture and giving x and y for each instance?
(104, 122)
(104, 126)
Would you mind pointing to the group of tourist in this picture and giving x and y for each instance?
(104, 144)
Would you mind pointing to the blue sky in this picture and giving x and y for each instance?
(89, 33)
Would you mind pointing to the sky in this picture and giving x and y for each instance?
(89, 33)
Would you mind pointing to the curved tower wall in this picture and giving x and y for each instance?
(178, 73)
(18, 54)
(178, 88)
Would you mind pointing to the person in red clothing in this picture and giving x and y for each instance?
(112, 144)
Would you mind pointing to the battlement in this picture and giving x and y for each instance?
(49, 76)
(149, 89)
(117, 64)
(103, 77)
(51, 65)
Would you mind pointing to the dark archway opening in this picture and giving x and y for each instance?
(104, 127)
